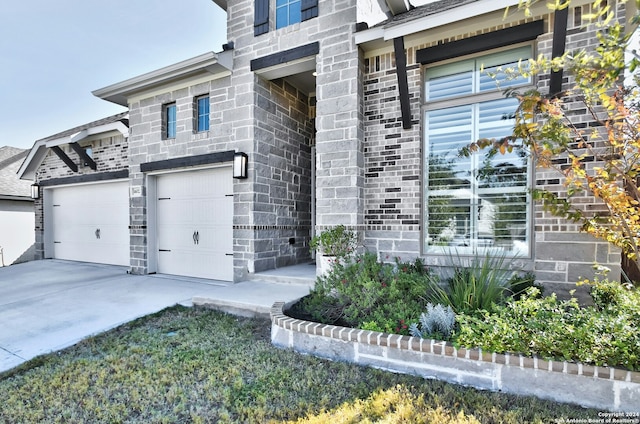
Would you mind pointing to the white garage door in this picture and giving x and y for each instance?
(91, 223)
(195, 223)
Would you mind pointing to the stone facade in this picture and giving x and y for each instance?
(333, 154)
(394, 199)
(148, 144)
(284, 135)
(275, 223)
(274, 122)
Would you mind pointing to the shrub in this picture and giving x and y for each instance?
(604, 334)
(385, 296)
(438, 323)
(519, 283)
(337, 241)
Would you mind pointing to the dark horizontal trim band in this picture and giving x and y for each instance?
(271, 227)
(285, 56)
(182, 162)
(480, 43)
(87, 178)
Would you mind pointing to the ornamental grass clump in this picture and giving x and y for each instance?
(486, 281)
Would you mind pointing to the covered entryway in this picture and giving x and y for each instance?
(194, 223)
(89, 223)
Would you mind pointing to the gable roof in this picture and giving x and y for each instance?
(11, 186)
(118, 122)
(122, 117)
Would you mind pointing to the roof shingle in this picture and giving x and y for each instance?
(10, 185)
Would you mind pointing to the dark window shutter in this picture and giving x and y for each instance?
(261, 17)
(309, 9)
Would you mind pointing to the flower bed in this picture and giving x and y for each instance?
(590, 386)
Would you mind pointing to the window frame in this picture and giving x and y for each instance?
(287, 4)
(169, 126)
(202, 118)
(474, 99)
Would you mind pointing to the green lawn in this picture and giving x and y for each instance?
(197, 365)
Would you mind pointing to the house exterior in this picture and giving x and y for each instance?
(82, 180)
(16, 209)
(340, 123)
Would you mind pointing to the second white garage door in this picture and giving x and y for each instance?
(195, 223)
(90, 223)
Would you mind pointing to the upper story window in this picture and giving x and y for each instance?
(477, 204)
(287, 12)
(202, 114)
(170, 120)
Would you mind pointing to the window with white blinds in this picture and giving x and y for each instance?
(475, 204)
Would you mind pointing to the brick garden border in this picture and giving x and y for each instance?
(605, 388)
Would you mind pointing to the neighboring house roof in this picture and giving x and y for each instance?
(12, 187)
(115, 123)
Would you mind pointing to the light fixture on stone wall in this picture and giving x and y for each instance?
(35, 191)
(240, 165)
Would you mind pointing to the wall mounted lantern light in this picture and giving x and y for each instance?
(35, 191)
(240, 165)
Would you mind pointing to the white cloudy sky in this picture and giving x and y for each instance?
(54, 53)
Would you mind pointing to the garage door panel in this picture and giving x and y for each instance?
(91, 223)
(215, 239)
(195, 223)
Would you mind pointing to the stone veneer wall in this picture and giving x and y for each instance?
(282, 164)
(394, 165)
(589, 386)
(148, 144)
(338, 138)
(109, 154)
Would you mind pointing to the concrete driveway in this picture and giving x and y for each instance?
(51, 304)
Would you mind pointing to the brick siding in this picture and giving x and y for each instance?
(393, 166)
(109, 154)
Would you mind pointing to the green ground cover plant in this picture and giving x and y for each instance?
(186, 365)
(368, 293)
(492, 308)
(389, 296)
(606, 333)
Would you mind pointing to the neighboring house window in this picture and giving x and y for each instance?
(170, 120)
(288, 12)
(475, 204)
(202, 111)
